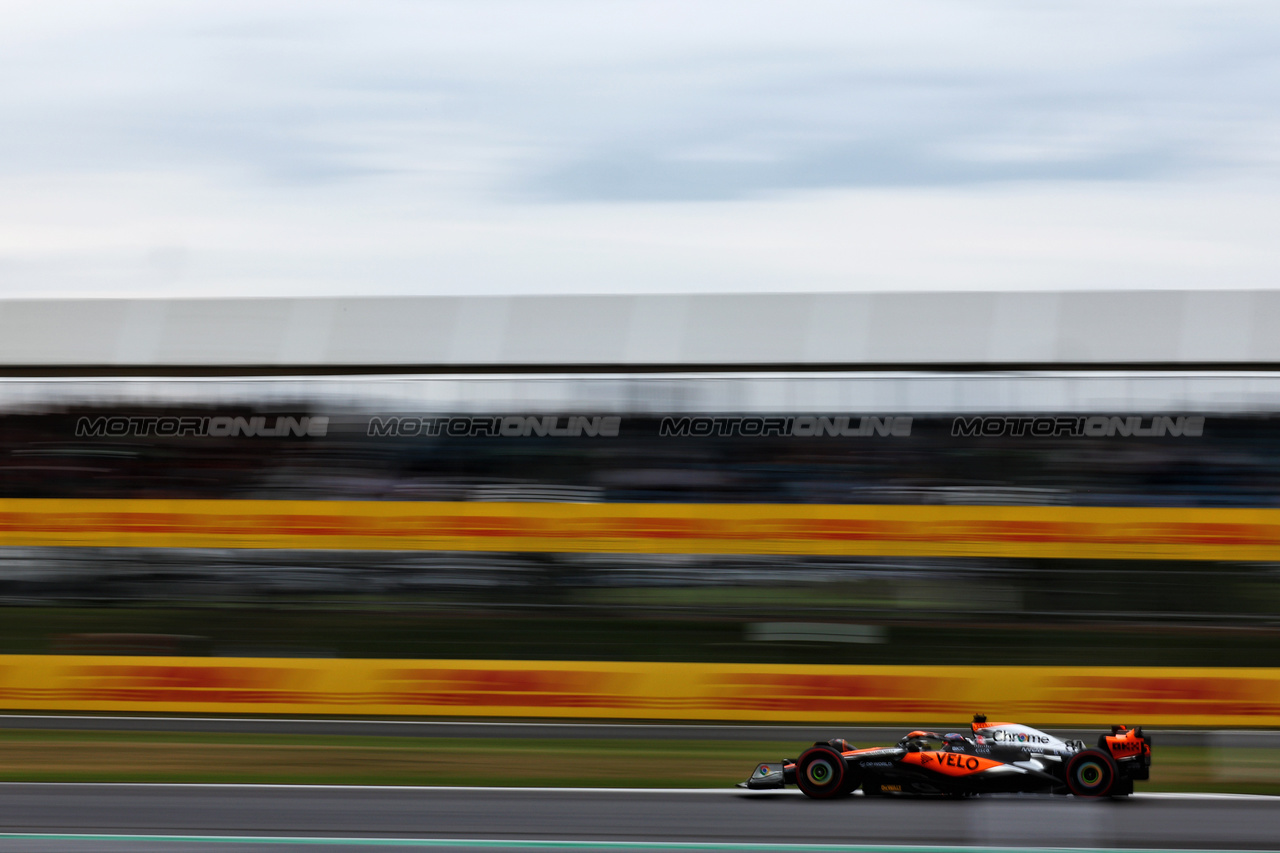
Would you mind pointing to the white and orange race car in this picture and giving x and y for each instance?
(994, 758)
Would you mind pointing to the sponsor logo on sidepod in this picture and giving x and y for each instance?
(949, 763)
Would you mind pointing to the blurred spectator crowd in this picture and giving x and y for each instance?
(1236, 462)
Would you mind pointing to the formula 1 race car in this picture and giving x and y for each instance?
(998, 758)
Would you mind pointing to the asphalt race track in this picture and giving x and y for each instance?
(210, 818)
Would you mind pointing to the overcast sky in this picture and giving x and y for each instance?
(599, 147)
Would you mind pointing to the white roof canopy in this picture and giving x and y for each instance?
(798, 331)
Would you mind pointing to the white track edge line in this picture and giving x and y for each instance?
(605, 844)
(437, 788)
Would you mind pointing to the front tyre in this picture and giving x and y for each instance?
(1091, 773)
(821, 773)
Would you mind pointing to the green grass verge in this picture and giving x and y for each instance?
(63, 756)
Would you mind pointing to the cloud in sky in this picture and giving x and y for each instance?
(596, 147)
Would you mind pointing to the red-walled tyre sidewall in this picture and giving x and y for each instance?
(821, 773)
(1091, 773)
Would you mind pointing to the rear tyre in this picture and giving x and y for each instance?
(821, 773)
(1091, 773)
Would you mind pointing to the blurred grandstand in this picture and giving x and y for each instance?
(985, 400)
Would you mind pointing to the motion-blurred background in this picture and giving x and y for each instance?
(709, 428)
(818, 362)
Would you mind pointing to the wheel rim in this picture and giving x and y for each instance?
(820, 772)
(1090, 774)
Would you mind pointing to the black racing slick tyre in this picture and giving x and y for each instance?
(821, 773)
(1091, 773)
